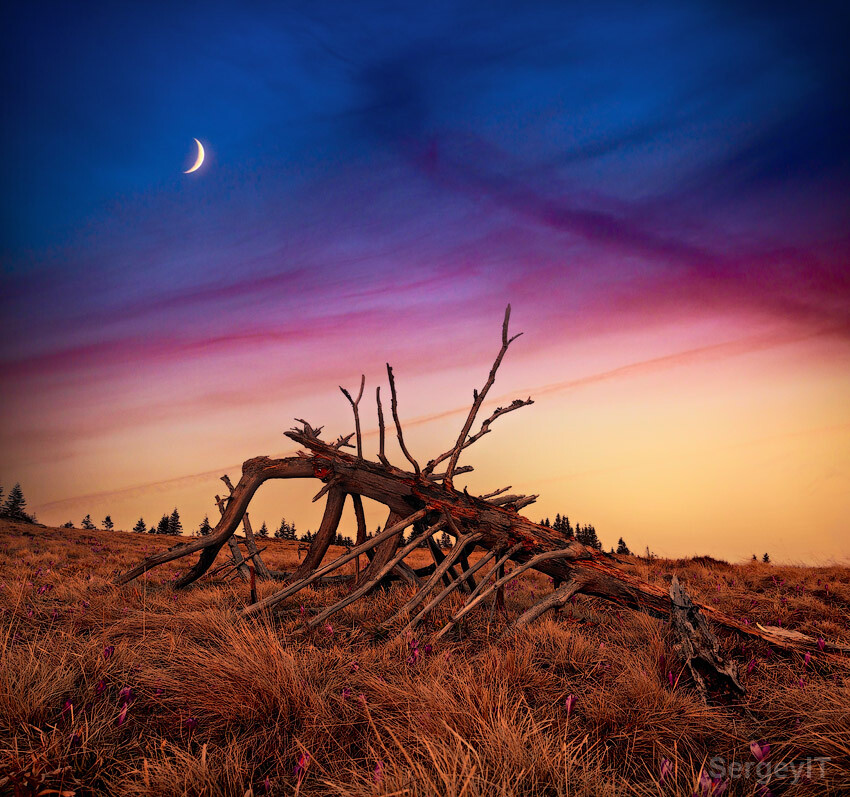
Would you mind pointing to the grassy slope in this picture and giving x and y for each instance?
(221, 706)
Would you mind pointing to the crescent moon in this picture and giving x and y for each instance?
(200, 159)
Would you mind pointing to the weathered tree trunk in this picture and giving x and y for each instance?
(427, 499)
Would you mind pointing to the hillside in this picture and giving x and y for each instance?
(142, 690)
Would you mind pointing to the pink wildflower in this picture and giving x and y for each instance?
(760, 750)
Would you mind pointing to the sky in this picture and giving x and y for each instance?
(660, 190)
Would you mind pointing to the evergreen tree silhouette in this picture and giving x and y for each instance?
(15, 506)
(68, 525)
(766, 559)
(174, 524)
(445, 541)
(140, 526)
(162, 526)
(264, 530)
(87, 524)
(622, 547)
(205, 527)
(107, 523)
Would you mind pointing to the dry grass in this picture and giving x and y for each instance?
(221, 706)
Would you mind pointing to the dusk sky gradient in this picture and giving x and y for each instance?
(661, 191)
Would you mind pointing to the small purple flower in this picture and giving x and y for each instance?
(751, 666)
(100, 688)
(157, 692)
(346, 692)
(69, 706)
(710, 787)
(190, 723)
(267, 785)
(670, 679)
(126, 694)
(378, 772)
(666, 769)
(354, 666)
(821, 643)
(760, 750)
(427, 648)
(108, 651)
(801, 683)
(329, 629)
(807, 659)
(569, 703)
(301, 765)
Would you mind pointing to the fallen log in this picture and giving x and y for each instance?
(429, 501)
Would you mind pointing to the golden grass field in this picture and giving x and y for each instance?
(141, 690)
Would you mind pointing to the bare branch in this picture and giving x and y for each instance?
(315, 574)
(440, 572)
(485, 428)
(354, 403)
(381, 455)
(361, 530)
(308, 430)
(554, 600)
(474, 599)
(504, 499)
(435, 477)
(525, 501)
(479, 399)
(423, 613)
(404, 450)
(369, 584)
(342, 442)
(494, 493)
(330, 484)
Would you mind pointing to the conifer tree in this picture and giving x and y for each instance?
(766, 559)
(107, 523)
(622, 548)
(162, 526)
(140, 526)
(68, 525)
(264, 530)
(445, 541)
(205, 527)
(174, 524)
(87, 523)
(15, 506)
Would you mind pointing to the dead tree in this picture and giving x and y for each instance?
(428, 501)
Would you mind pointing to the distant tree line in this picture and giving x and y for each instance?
(585, 534)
